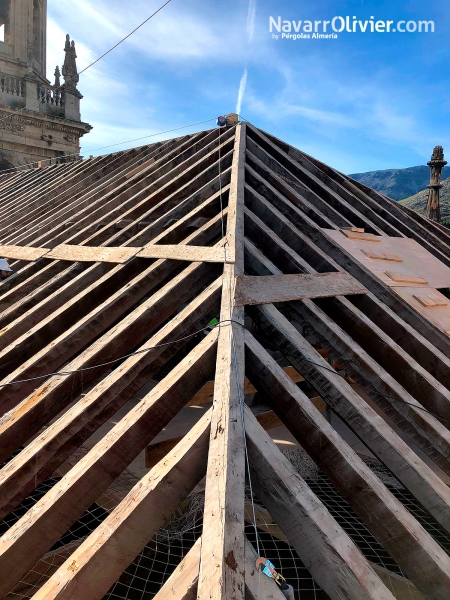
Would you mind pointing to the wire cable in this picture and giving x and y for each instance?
(27, 166)
(126, 37)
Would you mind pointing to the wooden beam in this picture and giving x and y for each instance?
(416, 476)
(26, 541)
(91, 570)
(423, 429)
(283, 288)
(182, 584)
(418, 554)
(325, 549)
(217, 254)
(122, 254)
(22, 252)
(222, 554)
(58, 351)
(92, 254)
(46, 452)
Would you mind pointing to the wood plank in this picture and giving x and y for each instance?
(182, 584)
(223, 524)
(91, 570)
(325, 549)
(283, 288)
(405, 278)
(356, 235)
(33, 535)
(22, 252)
(379, 437)
(381, 255)
(415, 259)
(418, 554)
(92, 254)
(217, 254)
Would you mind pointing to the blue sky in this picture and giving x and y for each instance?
(362, 102)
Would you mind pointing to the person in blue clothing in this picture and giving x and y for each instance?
(5, 269)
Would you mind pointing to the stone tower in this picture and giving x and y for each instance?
(436, 164)
(38, 121)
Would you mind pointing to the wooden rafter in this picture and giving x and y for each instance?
(120, 264)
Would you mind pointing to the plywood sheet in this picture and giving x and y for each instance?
(415, 260)
(283, 288)
(22, 252)
(218, 254)
(92, 254)
(430, 303)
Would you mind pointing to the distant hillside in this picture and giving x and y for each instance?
(399, 183)
(418, 202)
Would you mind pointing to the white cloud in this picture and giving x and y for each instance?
(241, 92)
(251, 17)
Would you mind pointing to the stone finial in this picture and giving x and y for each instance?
(69, 69)
(438, 155)
(436, 164)
(57, 77)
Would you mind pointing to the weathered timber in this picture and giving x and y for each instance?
(44, 454)
(421, 558)
(426, 431)
(59, 351)
(283, 288)
(326, 550)
(223, 524)
(114, 544)
(378, 436)
(32, 536)
(182, 584)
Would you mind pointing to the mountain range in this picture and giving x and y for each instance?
(399, 183)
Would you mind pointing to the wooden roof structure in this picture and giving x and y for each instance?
(120, 261)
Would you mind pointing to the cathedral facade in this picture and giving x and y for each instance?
(39, 120)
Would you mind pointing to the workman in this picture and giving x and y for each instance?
(5, 269)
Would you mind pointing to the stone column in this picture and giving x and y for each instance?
(437, 162)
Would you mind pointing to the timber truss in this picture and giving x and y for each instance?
(134, 255)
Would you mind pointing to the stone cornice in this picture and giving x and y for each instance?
(27, 117)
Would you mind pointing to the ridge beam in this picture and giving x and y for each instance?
(223, 555)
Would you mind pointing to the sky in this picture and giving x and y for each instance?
(361, 102)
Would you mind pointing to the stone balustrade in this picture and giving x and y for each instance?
(21, 92)
(49, 94)
(11, 85)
